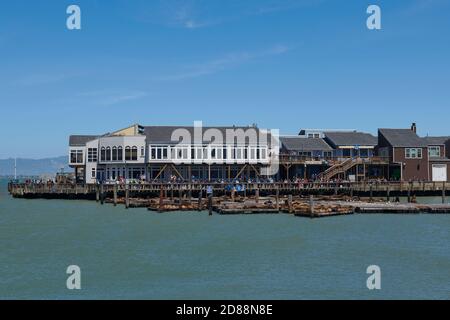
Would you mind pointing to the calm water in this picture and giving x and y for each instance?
(135, 254)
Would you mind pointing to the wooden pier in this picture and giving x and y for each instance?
(301, 199)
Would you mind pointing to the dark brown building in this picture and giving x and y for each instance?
(406, 148)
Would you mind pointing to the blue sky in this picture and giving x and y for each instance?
(281, 64)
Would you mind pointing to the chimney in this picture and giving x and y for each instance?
(414, 127)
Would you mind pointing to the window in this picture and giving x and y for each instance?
(413, 153)
(108, 154)
(76, 156)
(327, 154)
(434, 152)
(346, 153)
(92, 155)
(134, 154)
(103, 154)
(127, 153)
(142, 152)
(120, 154)
(263, 154)
(114, 153)
(93, 173)
(364, 153)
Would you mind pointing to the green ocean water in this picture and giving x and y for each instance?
(135, 254)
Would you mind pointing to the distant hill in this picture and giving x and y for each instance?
(34, 167)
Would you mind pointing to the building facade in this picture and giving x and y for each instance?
(171, 153)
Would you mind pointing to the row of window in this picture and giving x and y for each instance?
(118, 173)
(309, 154)
(413, 153)
(117, 154)
(207, 153)
(215, 153)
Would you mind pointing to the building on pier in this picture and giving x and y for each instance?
(304, 157)
(168, 152)
(419, 159)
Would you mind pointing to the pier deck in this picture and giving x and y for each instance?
(308, 199)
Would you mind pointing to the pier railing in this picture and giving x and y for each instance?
(23, 189)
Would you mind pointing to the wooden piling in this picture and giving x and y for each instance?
(409, 192)
(388, 194)
(371, 193)
(127, 196)
(115, 195)
(102, 194)
(210, 200)
(277, 199)
(161, 199)
(97, 193)
(311, 206)
(444, 191)
(290, 203)
(199, 205)
(257, 195)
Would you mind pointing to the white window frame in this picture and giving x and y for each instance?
(413, 153)
(434, 148)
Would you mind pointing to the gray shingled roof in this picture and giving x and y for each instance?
(436, 141)
(403, 138)
(163, 134)
(351, 138)
(80, 140)
(305, 144)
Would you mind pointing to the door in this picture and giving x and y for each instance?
(439, 172)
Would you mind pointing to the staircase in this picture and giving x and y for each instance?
(340, 168)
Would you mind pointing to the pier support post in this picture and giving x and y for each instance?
(97, 193)
(200, 195)
(127, 196)
(233, 192)
(290, 203)
(102, 194)
(210, 200)
(115, 195)
(277, 199)
(161, 197)
(371, 193)
(311, 206)
(409, 192)
(257, 194)
(444, 191)
(388, 193)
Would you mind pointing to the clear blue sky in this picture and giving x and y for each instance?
(280, 64)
